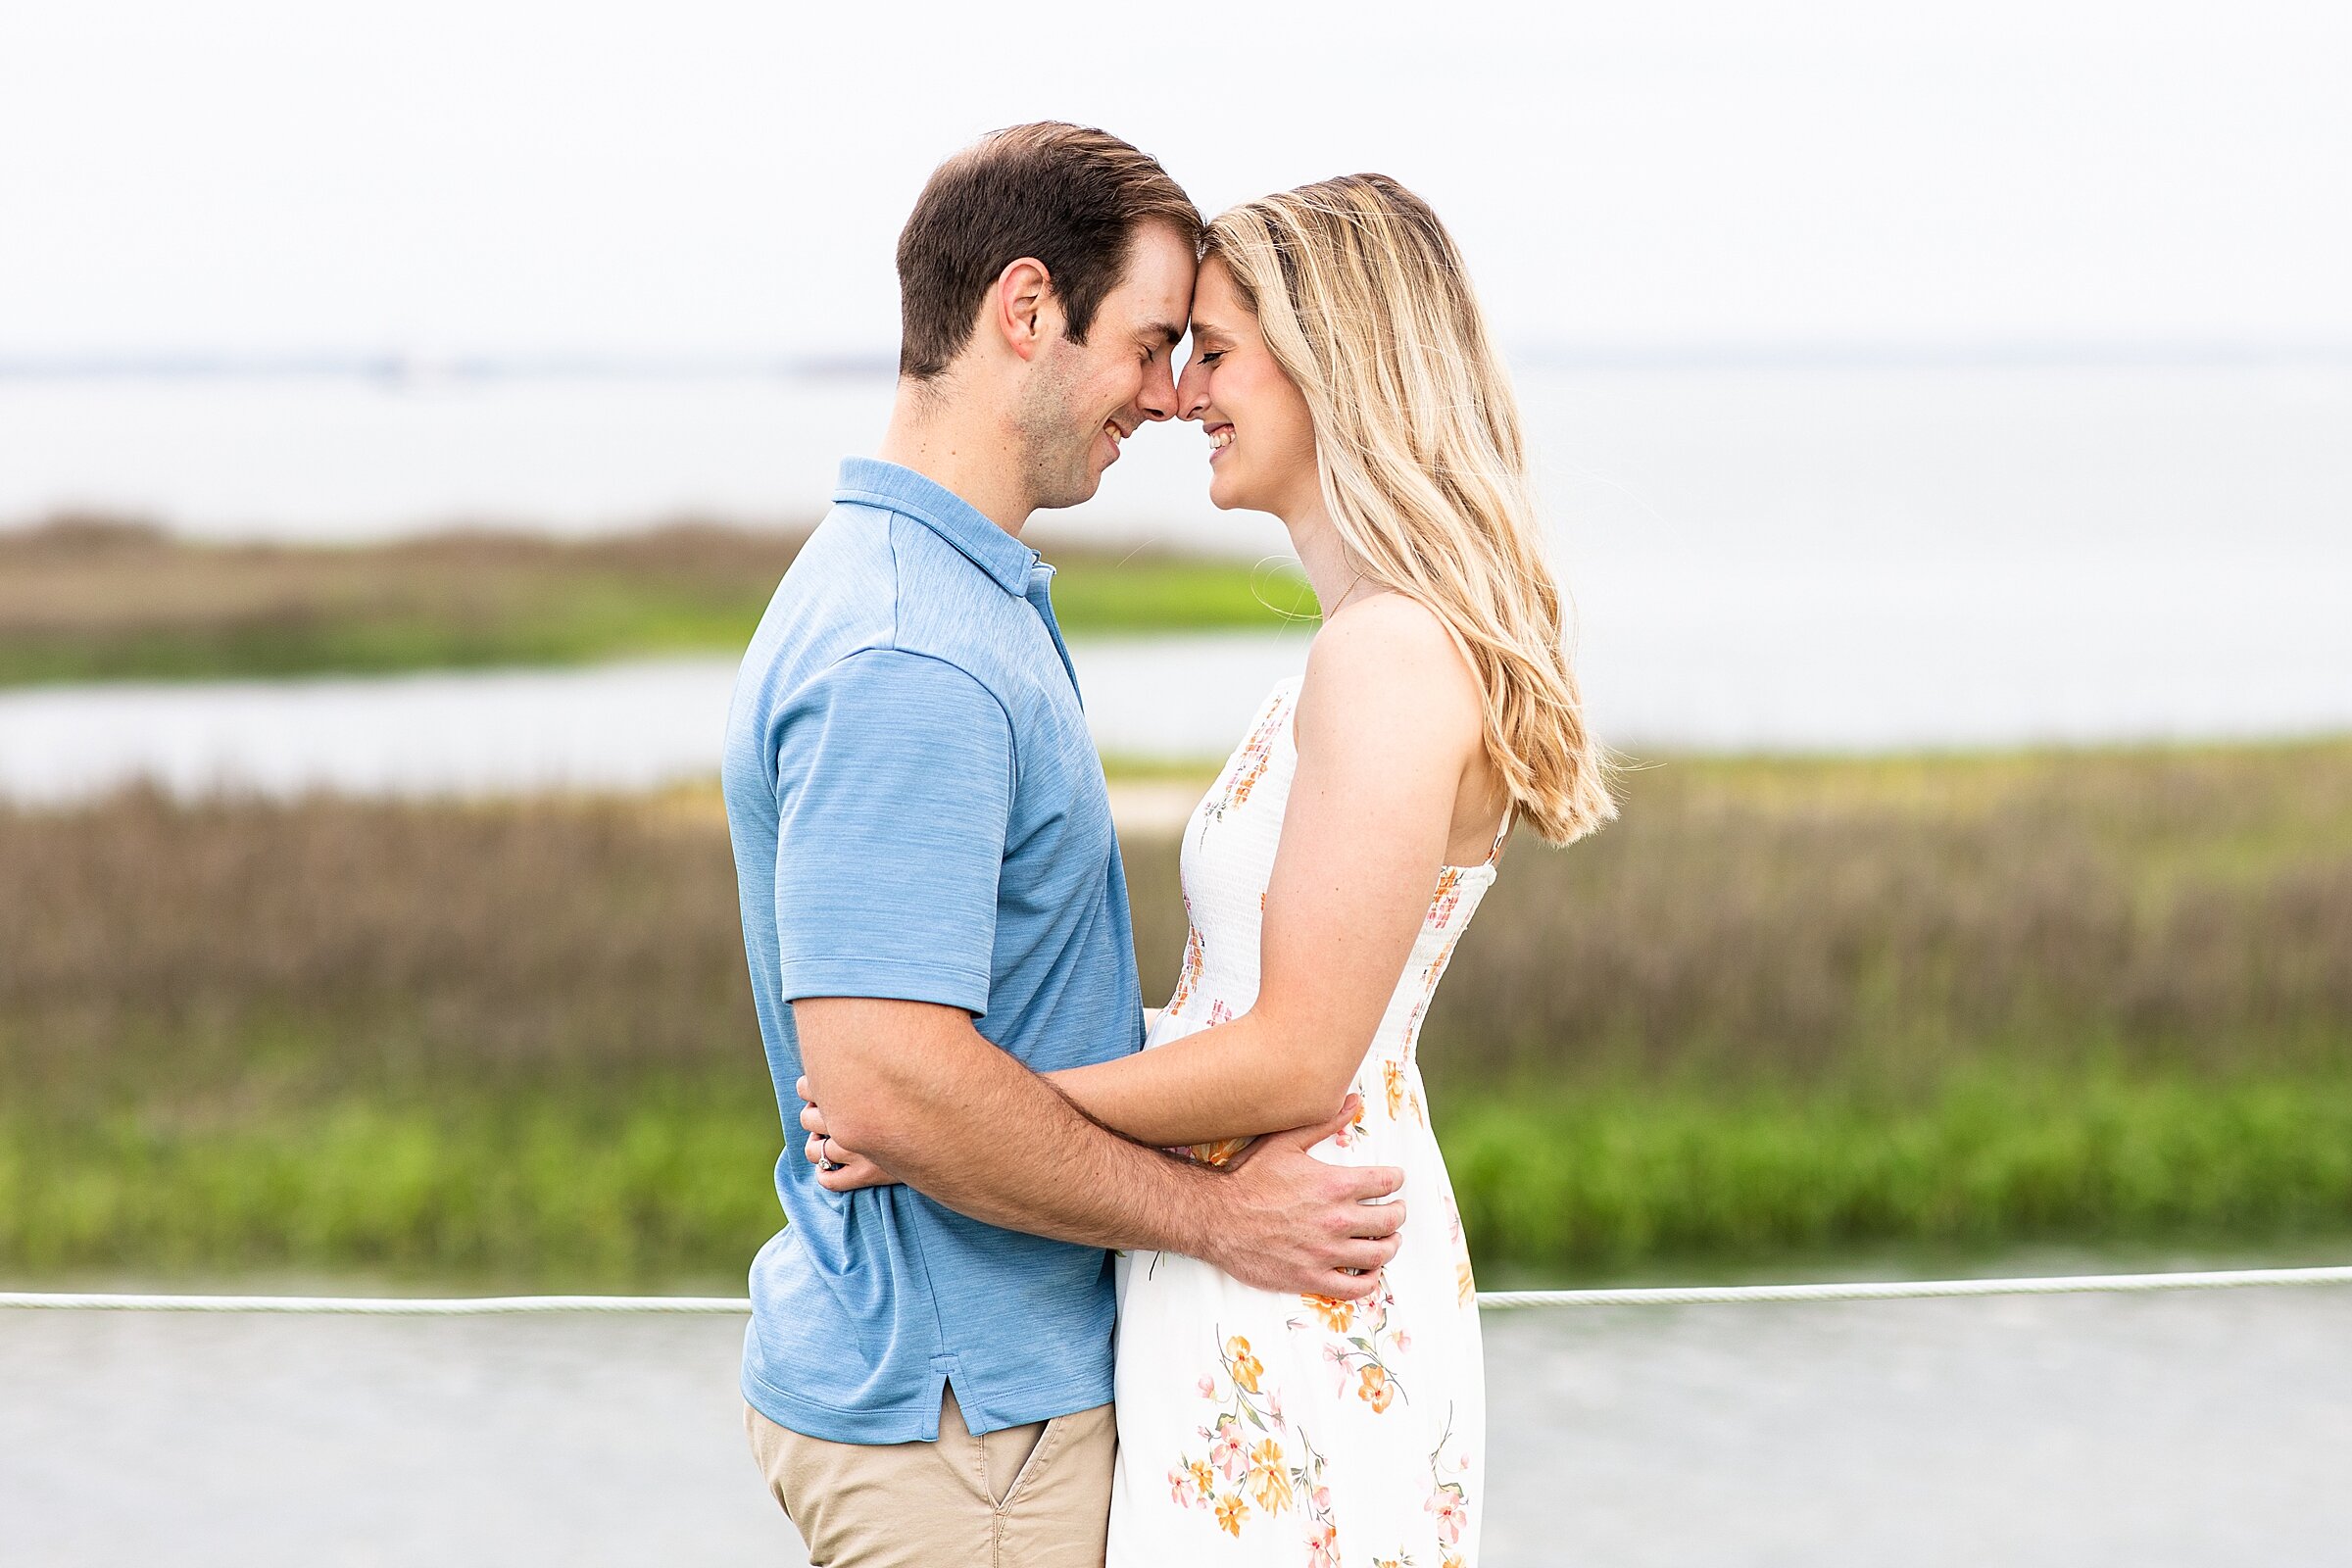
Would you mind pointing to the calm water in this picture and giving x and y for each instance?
(2183, 1431)
(618, 726)
(1684, 682)
(1846, 559)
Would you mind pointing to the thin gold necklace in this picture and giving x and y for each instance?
(1354, 582)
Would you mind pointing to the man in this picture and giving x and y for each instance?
(935, 914)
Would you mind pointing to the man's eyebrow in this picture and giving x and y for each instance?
(1161, 329)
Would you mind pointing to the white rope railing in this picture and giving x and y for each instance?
(1488, 1301)
(1914, 1289)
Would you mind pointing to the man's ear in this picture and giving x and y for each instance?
(1023, 310)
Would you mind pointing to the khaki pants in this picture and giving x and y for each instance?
(1031, 1496)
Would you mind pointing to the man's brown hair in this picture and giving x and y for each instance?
(1068, 195)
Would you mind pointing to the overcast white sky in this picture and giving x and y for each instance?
(719, 177)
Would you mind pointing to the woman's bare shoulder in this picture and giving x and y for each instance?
(1389, 659)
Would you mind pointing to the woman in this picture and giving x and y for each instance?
(1347, 383)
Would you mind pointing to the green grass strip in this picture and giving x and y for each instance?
(138, 604)
(1623, 1177)
(549, 1194)
(560, 1192)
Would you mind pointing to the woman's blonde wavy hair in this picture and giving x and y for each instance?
(1364, 302)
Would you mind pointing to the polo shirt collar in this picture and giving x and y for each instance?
(869, 481)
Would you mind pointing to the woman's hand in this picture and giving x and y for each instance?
(839, 1168)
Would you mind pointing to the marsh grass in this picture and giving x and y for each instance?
(667, 1182)
(1992, 1159)
(1781, 1006)
(578, 1188)
(92, 599)
(1888, 922)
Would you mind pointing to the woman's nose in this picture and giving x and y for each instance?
(1192, 393)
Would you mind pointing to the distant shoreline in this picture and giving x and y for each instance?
(397, 367)
(99, 598)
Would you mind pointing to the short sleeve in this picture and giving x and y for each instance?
(894, 788)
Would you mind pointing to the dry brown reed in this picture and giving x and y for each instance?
(384, 945)
(1790, 921)
(1884, 922)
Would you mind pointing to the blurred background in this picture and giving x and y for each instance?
(1944, 420)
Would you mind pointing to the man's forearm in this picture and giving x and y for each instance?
(915, 1089)
(987, 1136)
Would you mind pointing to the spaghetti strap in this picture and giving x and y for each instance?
(1509, 810)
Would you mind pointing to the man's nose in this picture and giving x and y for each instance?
(1157, 400)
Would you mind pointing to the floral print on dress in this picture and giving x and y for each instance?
(1441, 903)
(1248, 764)
(1448, 1498)
(1353, 1352)
(1188, 978)
(1243, 1474)
(1465, 1284)
(1398, 1092)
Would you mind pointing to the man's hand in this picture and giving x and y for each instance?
(1288, 1222)
(839, 1168)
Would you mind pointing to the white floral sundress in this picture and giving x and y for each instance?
(1297, 1430)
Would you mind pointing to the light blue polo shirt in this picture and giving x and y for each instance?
(917, 811)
